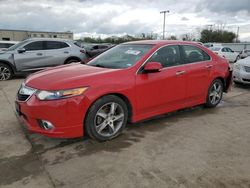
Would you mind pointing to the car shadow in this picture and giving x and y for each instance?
(242, 86)
(132, 134)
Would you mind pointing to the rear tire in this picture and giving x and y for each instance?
(106, 118)
(215, 93)
(6, 72)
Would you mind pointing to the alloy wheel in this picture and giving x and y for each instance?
(215, 93)
(109, 119)
(5, 73)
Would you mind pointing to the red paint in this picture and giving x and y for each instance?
(149, 94)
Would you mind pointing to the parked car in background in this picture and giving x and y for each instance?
(244, 53)
(130, 82)
(94, 50)
(226, 52)
(4, 45)
(241, 71)
(37, 54)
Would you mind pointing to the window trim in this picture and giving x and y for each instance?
(139, 71)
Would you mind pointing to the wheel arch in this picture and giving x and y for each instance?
(222, 80)
(72, 57)
(121, 96)
(9, 64)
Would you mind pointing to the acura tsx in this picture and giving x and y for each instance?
(128, 83)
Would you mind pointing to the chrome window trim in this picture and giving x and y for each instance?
(176, 65)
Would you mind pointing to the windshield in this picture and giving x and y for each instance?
(121, 56)
(215, 49)
(14, 47)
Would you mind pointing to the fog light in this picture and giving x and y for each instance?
(45, 125)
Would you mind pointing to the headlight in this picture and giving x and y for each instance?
(60, 94)
(237, 66)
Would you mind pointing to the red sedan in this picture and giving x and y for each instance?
(130, 82)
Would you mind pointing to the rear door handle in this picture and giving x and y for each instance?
(209, 66)
(180, 73)
(39, 54)
(66, 52)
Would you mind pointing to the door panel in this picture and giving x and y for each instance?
(57, 56)
(198, 66)
(30, 59)
(158, 92)
(33, 57)
(57, 52)
(165, 90)
(197, 80)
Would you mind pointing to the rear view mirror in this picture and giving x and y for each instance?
(21, 50)
(152, 67)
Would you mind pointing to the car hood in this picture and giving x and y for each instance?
(66, 77)
(245, 61)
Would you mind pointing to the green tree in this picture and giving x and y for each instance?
(217, 36)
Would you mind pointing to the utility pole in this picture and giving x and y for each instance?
(164, 14)
(237, 36)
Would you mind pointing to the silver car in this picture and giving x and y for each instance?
(36, 54)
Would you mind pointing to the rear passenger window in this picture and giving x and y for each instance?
(194, 54)
(55, 45)
(38, 45)
(168, 56)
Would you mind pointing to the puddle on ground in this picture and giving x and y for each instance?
(18, 168)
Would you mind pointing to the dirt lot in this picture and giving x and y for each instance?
(195, 147)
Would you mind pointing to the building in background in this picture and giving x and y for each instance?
(19, 35)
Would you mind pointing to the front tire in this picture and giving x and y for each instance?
(6, 72)
(215, 93)
(106, 118)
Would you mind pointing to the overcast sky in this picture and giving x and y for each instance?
(113, 17)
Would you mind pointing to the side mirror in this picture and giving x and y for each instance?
(21, 50)
(152, 67)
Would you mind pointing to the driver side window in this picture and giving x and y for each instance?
(168, 56)
(38, 45)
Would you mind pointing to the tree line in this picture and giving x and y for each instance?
(206, 35)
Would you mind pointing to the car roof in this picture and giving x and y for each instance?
(49, 39)
(161, 42)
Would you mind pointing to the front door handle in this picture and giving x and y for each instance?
(180, 73)
(209, 66)
(39, 54)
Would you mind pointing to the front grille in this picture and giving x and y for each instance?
(21, 97)
(247, 69)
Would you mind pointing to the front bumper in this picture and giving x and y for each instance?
(241, 76)
(67, 116)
